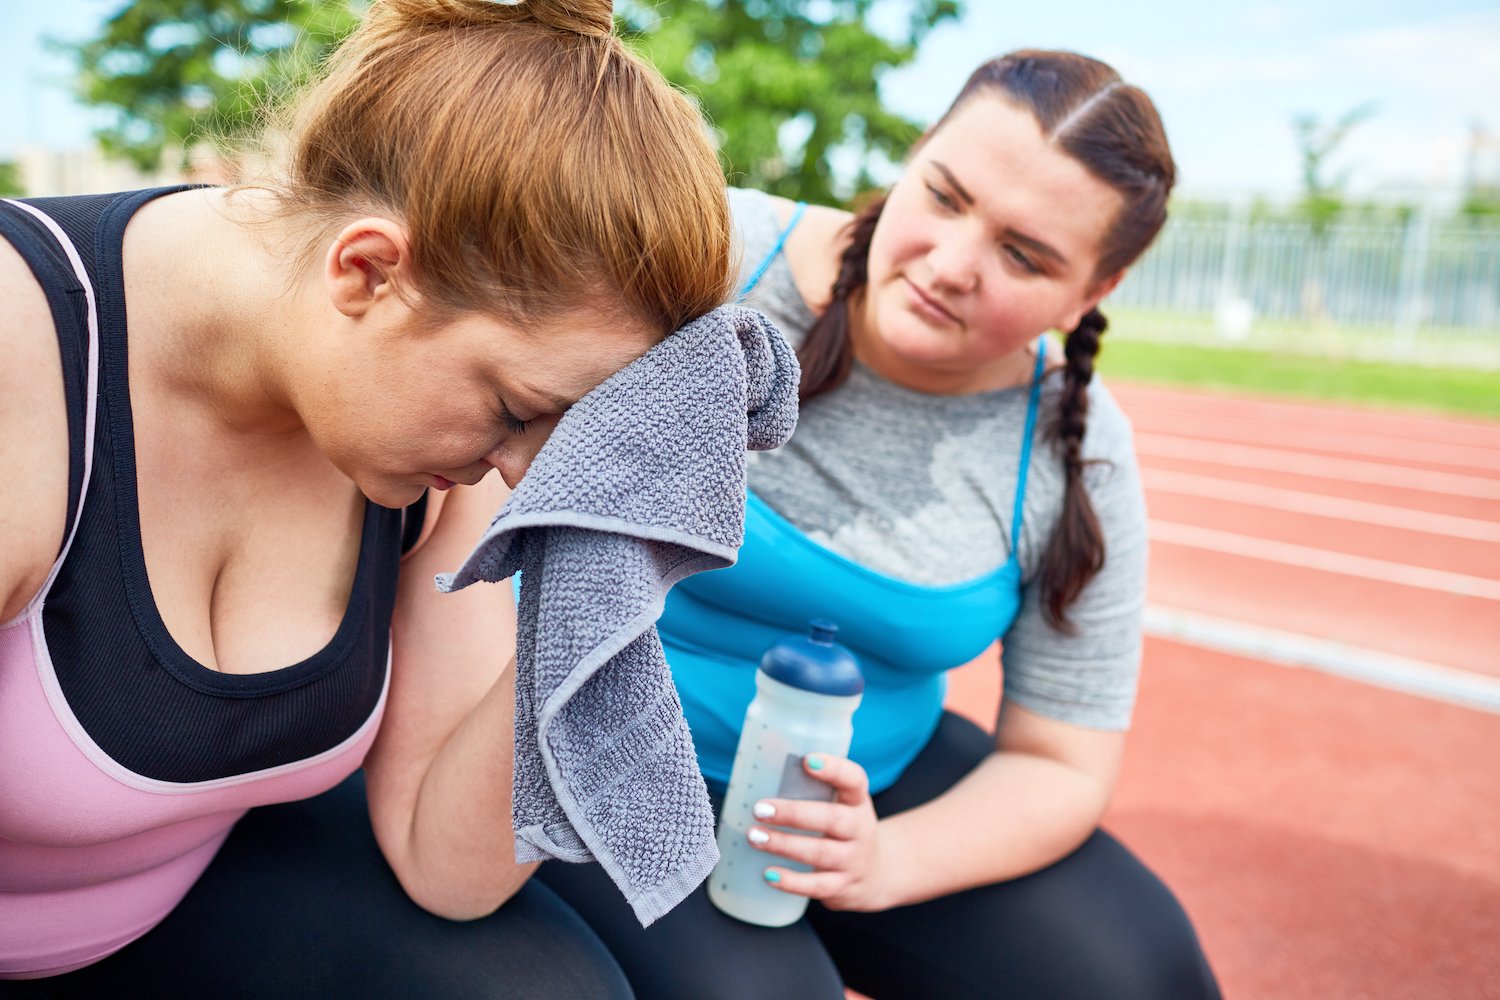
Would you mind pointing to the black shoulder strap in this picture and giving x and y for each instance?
(415, 515)
(67, 300)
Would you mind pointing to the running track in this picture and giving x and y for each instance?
(1315, 762)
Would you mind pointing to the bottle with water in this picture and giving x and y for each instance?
(806, 691)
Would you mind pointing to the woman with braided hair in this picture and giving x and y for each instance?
(954, 479)
(246, 748)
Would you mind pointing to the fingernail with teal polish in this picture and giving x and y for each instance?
(815, 762)
(773, 876)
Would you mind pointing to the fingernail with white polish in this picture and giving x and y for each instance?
(758, 836)
(764, 810)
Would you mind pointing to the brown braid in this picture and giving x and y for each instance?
(827, 352)
(1075, 551)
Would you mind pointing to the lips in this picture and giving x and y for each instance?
(929, 306)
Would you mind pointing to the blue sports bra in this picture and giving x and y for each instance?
(715, 626)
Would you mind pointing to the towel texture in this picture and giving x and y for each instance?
(641, 483)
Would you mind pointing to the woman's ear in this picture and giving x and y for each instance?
(369, 259)
(1096, 295)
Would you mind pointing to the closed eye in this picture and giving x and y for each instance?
(512, 423)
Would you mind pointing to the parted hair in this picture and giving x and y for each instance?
(537, 163)
(1113, 130)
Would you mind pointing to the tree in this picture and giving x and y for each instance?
(1481, 187)
(176, 72)
(1322, 195)
(10, 180)
(790, 86)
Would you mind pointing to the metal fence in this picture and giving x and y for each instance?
(1424, 276)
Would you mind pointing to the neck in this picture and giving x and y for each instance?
(223, 311)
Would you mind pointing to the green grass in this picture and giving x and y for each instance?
(1449, 389)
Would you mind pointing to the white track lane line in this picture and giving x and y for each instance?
(1428, 680)
(1306, 557)
(1293, 418)
(1379, 447)
(1303, 464)
(1318, 505)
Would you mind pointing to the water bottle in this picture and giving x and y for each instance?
(806, 691)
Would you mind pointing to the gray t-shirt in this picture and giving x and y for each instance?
(920, 487)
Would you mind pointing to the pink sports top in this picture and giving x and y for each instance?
(123, 762)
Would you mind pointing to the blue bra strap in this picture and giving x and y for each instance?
(1031, 411)
(776, 249)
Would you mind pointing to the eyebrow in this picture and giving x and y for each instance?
(968, 198)
(1029, 242)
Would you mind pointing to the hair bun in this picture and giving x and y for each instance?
(583, 17)
(590, 18)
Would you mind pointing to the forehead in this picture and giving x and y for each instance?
(997, 151)
(557, 361)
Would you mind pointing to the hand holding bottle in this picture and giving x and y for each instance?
(849, 872)
(807, 689)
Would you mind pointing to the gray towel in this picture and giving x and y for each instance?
(641, 484)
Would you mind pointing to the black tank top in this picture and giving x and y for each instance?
(143, 700)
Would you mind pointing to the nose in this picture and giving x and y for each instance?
(514, 454)
(511, 462)
(954, 260)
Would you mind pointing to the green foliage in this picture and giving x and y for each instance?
(789, 85)
(1363, 213)
(10, 180)
(175, 72)
(1323, 196)
(1181, 209)
(1481, 203)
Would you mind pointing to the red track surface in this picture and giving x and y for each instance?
(1330, 838)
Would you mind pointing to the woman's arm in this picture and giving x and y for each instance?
(33, 437)
(439, 774)
(1030, 803)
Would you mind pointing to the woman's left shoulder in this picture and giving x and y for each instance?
(1108, 432)
(1107, 421)
(1112, 475)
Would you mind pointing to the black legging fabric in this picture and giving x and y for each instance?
(1097, 925)
(300, 904)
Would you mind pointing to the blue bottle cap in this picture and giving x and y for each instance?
(814, 662)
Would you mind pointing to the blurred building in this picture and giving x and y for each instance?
(1482, 166)
(86, 170)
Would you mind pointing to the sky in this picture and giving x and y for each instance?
(1228, 79)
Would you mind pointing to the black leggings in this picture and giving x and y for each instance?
(1096, 924)
(300, 903)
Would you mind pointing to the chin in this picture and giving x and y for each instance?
(918, 344)
(391, 493)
